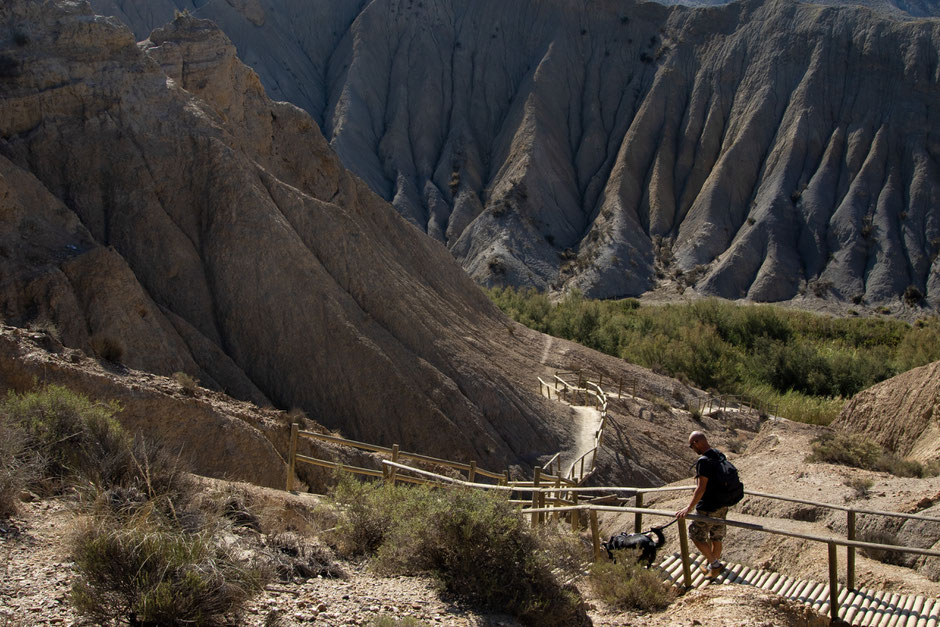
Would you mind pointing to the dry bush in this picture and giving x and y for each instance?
(293, 556)
(472, 541)
(880, 536)
(18, 464)
(107, 347)
(307, 520)
(860, 485)
(72, 438)
(627, 585)
(143, 570)
(570, 554)
(389, 621)
(188, 385)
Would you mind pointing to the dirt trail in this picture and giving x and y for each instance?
(589, 420)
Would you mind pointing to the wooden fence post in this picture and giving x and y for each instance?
(557, 496)
(684, 550)
(472, 472)
(850, 552)
(638, 517)
(833, 583)
(575, 515)
(394, 471)
(595, 535)
(507, 478)
(537, 473)
(620, 387)
(291, 455)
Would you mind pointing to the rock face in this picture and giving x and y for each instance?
(902, 414)
(158, 209)
(760, 150)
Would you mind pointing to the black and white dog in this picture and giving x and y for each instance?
(641, 544)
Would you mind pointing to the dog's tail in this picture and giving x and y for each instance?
(660, 538)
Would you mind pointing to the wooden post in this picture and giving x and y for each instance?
(394, 470)
(535, 495)
(507, 478)
(542, 516)
(472, 472)
(638, 517)
(600, 381)
(595, 535)
(582, 467)
(291, 456)
(620, 387)
(833, 583)
(850, 552)
(575, 515)
(684, 550)
(557, 495)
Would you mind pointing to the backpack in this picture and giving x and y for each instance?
(732, 490)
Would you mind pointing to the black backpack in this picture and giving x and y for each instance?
(732, 490)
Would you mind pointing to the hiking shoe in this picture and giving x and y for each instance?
(714, 571)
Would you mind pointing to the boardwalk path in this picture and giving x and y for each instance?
(863, 607)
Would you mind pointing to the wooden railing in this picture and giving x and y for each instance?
(708, 403)
(575, 511)
(394, 453)
(592, 395)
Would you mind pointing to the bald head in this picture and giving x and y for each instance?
(698, 442)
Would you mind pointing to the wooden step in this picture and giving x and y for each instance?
(864, 607)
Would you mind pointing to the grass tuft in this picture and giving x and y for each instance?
(627, 585)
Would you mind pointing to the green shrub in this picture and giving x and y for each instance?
(472, 541)
(847, 449)
(729, 347)
(859, 451)
(144, 571)
(627, 585)
(72, 437)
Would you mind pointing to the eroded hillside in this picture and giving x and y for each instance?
(213, 232)
(767, 151)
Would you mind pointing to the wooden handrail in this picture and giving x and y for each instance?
(416, 456)
(859, 544)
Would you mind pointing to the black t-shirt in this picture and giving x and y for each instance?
(708, 466)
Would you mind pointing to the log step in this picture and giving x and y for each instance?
(863, 607)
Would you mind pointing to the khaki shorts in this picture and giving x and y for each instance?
(704, 531)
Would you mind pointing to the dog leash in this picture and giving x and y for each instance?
(674, 521)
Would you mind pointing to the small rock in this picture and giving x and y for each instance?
(321, 607)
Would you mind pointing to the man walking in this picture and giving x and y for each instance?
(712, 497)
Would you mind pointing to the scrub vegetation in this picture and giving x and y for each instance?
(806, 364)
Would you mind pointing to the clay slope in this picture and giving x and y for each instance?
(902, 414)
(751, 150)
(157, 208)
